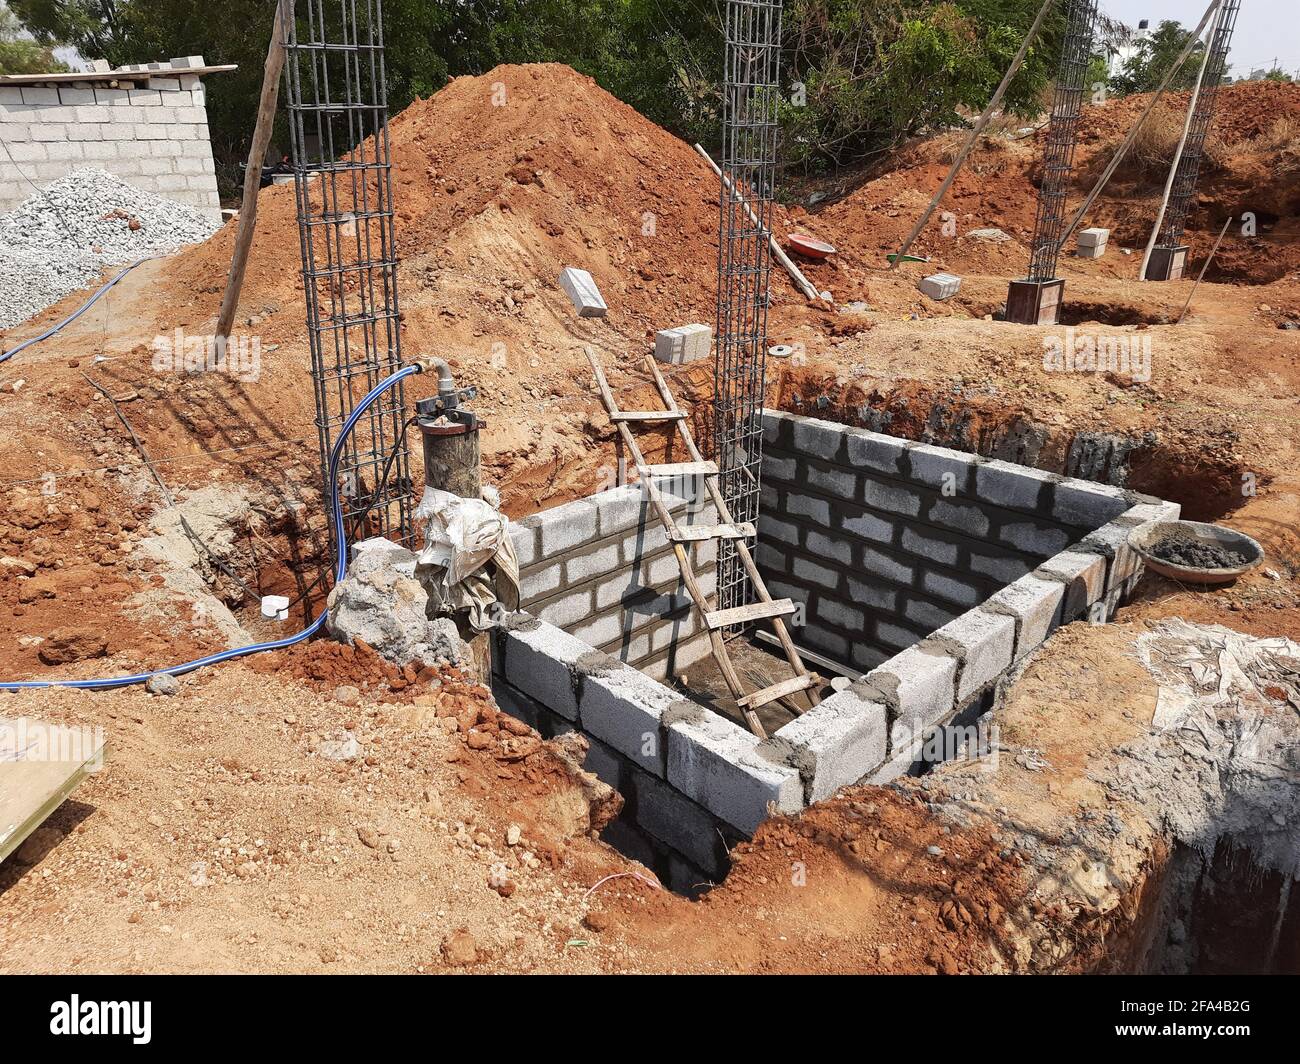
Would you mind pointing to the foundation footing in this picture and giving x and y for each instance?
(1166, 264)
(1035, 302)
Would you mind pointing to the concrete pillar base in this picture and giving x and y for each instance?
(1166, 264)
(1035, 302)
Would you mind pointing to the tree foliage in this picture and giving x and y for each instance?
(1155, 55)
(20, 53)
(859, 75)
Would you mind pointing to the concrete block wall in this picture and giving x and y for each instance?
(602, 569)
(884, 540)
(151, 132)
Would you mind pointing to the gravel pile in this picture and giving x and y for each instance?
(61, 239)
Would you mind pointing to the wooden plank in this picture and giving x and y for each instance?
(32, 783)
(646, 415)
(790, 686)
(697, 533)
(755, 611)
(680, 469)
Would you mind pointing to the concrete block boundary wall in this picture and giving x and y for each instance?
(147, 125)
(874, 729)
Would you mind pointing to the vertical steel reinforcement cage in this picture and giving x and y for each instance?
(337, 103)
(1062, 135)
(1182, 192)
(751, 95)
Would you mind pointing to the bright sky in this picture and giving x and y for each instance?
(1265, 28)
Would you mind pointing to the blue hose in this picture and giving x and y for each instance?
(340, 571)
(6, 355)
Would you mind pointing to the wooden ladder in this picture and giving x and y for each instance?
(717, 621)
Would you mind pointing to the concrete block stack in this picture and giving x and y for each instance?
(1092, 243)
(686, 343)
(940, 286)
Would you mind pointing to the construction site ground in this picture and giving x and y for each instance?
(224, 834)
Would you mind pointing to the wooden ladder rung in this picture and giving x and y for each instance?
(646, 415)
(680, 469)
(790, 686)
(755, 611)
(696, 533)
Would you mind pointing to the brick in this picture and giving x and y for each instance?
(674, 819)
(717, 764)
(837, 743)
(869, 527)
(983, 642)
(581, 289)
(782, 531)
(951, 588)
(49, 131)
(876, 594)
(166, 85)
(940, 286)
(777, 468)
(828, 549)
(1035, 604)
(145, 98)
(540, 661)
(892, 498)
(1084, 576)
(1111, 541)
(886, 567)
(959, 516)
(566, 526)
(894, 636)
(808, 570)
(684, 344)
(1014, 487)
(918, 686)
(187, 62)
(821, 439)
(836, 482)
(808, 506)
(931, 548)
(871, 450)
(832, 611)
(1094, 236)
(939, 467)
(1086, 505)
(624, 709)
(71, 94)
(1034, 538)
(35, 94)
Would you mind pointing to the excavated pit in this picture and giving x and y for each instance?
(920, 574)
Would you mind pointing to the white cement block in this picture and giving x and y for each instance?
(940, 285)
(917, 685)
(581, 289)
(686, 343)
(1092, 237)
(1035, 606)
(984, 642)
(838, 742)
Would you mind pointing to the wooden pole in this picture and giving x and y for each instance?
(976, 130)
(1204, 266)
(253, 174)
(1178, 155)
(1137, 126)
(804, 285)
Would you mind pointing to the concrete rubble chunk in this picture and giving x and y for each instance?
(581, 289)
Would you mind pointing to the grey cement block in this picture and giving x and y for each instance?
(817, 438)
(1014, 487)
(581, 289)
(983, 642)
(917, 684)
(1089, 238)
(879, 453)
(673, 818)
(807, 506)
(940, 468)
(564, 527)
(890, 497)
(539, 661)
(623, 708)
(834, 481)
(837, 743)
(771, 528)
(1087, 505)
(1032, 537)
(952, 588)
(1084, 576)
(1035, 606)
(717, 764)
(868, 526)
(1111, 541)
(875, 594)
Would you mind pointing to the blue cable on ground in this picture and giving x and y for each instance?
(340, 571)
(6, 355)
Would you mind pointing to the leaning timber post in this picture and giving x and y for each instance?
(452, 463)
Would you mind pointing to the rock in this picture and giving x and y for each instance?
(997, 236)
(460, 949)
(596, 921)
(369, 837)
(382, 603)
(347, 695)
(72, 644)
(161, 683)
(513, 834)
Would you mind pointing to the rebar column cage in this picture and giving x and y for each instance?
(751, 95)
(337, 101)
(1062, 135)
(1183, 190)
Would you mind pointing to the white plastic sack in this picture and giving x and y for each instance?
(462, 537)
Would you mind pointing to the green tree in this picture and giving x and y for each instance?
(1277, 74)
(1155, 54)
(19, 53)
